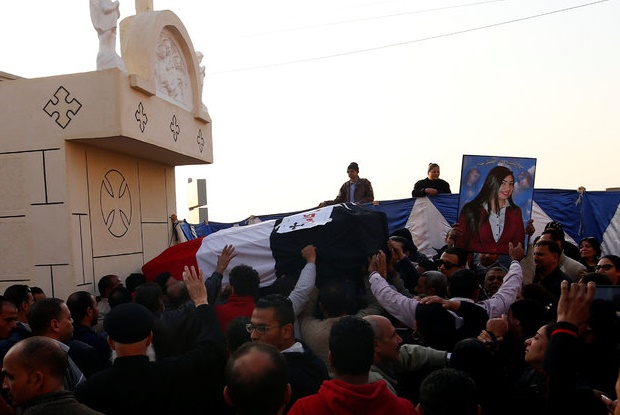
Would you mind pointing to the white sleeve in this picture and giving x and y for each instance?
(305, 284)
(501, 301)
(401, 307)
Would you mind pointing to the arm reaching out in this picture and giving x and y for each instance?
(301, 293)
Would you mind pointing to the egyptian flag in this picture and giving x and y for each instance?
(345, 236)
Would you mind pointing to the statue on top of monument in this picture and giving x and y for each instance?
(104, 15)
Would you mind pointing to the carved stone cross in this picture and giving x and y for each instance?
(144, 6)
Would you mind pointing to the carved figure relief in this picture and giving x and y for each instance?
(171, 75)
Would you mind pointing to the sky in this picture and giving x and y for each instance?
(297, 91)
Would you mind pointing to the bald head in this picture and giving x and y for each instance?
(379, 324)
(257, 380)
(32, 367)
(387, 341)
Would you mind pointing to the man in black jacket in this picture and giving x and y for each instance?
(84, 312)
(189, 383)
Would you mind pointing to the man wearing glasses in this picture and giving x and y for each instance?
(272, 322)
(451, 260)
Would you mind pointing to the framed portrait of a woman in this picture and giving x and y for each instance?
(495, 202)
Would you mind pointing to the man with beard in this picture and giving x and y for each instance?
(83, 308)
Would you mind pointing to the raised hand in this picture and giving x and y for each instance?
(516, 253)
(574, 304)
(195, 285)
(309, 254)
(378, 263)
(228, 253)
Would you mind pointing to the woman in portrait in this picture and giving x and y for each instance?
(492, 219)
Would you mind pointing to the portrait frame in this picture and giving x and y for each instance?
(482, 229)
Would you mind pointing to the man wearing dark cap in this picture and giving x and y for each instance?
(355, 190)
(187, 383)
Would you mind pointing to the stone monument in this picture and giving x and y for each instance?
(87, 160)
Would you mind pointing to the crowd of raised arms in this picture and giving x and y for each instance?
(456, 333)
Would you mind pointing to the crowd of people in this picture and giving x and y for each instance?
(460, 332)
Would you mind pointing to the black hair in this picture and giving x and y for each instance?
(78, 304)
(4, 300)
(42, 312)
(463, 283)
(283, 308)
(36, 290)
(488, 194)
(245, 280)
(449, 391)
(615, 259)
(119, 295)
(594, 243)
(460, 253)
(553, 247)
(236, 333)
(531, 315)
(134, 280)
(151, 296)
(351, 344)
(335, 298)
(428, 264)
(17, 294)
(556, 235)
(161, 280)
(105, 283)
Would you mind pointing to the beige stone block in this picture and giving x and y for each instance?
(156, 239)
(50, 241)
(77, 178)
(153, 192)
(13, 185)
(16, 256)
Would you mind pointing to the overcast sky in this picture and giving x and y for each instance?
(298, 90)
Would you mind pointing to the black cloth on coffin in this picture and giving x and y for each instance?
(343, 245)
